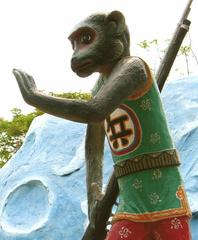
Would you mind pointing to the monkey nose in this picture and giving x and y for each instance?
(80, 64)
(74, 63)
(74, 60)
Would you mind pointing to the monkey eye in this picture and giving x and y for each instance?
(86, 38)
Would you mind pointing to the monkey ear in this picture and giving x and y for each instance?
(118, 18)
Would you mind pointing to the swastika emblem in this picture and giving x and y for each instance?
(123, 130)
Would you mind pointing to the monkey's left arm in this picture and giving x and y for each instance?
(94, 149)
(124, 81)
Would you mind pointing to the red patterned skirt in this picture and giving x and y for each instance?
(176, 228)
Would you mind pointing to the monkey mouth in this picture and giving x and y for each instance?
(78, 67)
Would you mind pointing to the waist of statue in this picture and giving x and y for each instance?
(166, 158)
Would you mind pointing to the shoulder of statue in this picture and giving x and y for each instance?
(138, 68)
(137, 62)
(130, 64)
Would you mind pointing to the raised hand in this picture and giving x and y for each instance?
(26, 84)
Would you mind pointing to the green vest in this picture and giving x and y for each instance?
(138, 126)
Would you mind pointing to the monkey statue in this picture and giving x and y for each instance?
(126, 107)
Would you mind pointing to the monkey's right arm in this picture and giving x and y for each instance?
(75, 110)
(123, 82)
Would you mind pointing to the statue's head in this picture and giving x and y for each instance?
(99, 42)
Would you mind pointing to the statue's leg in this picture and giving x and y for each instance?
(176, 228)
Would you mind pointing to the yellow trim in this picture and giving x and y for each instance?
(184, 210)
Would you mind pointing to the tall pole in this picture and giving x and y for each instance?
(174, 46)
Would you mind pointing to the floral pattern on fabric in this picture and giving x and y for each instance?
(167, 229)
(152, 195)
(124, 232)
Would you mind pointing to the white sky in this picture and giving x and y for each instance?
(33, 37)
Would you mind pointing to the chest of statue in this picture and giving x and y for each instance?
(138, 126)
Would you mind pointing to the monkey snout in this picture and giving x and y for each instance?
(77, 64)
(74, 63)
(74, 60)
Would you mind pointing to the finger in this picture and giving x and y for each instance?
(30, 81)
(24, 79)
(21, 73)
(23, 84)
(19, 77)
(17, 72)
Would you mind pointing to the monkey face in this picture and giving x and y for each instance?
(83, 44)
(98, 43)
